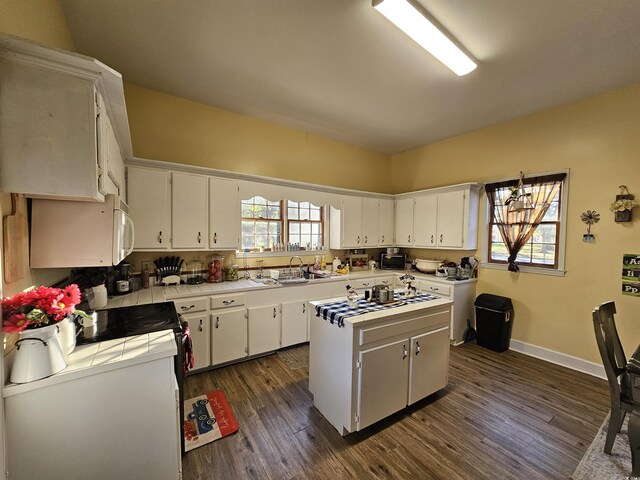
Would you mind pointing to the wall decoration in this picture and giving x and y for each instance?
(589, 217)
(623, 205)
(631, 274)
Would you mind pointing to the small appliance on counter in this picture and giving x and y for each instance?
(392, 261)
(123, 282)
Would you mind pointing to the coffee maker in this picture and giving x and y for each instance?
(123, 284)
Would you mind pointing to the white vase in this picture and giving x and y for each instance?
(67, 335)
(38, 355)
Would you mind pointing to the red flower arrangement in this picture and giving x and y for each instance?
(39, 307)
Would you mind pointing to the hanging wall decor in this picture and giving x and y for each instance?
(623, 205)
(589, 217)
(631, 274)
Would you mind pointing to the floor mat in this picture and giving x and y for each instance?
(207, 418)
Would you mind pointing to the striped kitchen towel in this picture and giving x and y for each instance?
(336, 312)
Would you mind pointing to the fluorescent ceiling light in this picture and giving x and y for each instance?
(412, 22)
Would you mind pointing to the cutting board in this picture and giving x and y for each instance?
(16, 240)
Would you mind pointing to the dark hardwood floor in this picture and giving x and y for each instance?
(502, 416)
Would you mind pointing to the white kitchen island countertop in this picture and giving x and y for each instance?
(95, 358)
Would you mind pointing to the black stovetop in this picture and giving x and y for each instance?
(128, 321)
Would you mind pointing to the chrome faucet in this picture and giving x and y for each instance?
(301, 265)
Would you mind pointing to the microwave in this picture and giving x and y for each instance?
(393, 261)
(66, 234)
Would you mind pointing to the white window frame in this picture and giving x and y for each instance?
(562, 243)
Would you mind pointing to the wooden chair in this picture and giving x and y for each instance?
(620, 376)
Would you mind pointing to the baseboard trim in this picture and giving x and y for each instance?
(569, 361)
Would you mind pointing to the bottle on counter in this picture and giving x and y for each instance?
(316, 265)
(323, 263)
(335, 265)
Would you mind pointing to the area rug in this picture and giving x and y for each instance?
(207, 418)
(597, 465)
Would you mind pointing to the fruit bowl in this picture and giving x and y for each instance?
(428, 266)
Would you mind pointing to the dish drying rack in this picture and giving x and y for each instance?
(287, 274)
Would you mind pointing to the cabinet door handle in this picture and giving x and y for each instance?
(215, 237)
(274, 312)
(385, 282)
(304, 308)
(199, 237)
(440, 238)
(187, 307)
(408, 238)
(358, 239)
(434, 289)
(382, 239)
(201, 327)
(431, 238)
(366, 239)
(404, 351)
(217, 322)
(417, 347)
(160, 237)
(228, 302)
(365, 284)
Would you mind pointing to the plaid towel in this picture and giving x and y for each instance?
(336, 312)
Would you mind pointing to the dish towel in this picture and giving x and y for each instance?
(188, 360)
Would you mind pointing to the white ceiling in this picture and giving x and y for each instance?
(339, 69)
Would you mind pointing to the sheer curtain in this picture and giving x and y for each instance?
(517, 227)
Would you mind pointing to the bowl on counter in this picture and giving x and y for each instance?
(428, 266)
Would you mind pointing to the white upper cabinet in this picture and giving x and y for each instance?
(439, 218)
(224, 214)
(361, 222)
(386, 222)
(189, 210)
(404, 221)
(424, 220)
(49, 106)
(149, 198)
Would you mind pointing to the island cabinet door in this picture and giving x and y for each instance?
(228, 335)
(382, 382)
(429, 364)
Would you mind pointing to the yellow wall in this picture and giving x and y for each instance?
(164, 127)
(42, 21)
(598, 139)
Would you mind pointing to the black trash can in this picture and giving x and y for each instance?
(494, 320)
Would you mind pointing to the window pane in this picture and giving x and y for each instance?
(291, 204)
(260, 211)
(495, 234)
(543, 253)
(304, 239)
(247, 227)
(259, 200)
(545, 233)
(292, 213)
(315, 228)
(524, 255)
(247, 210)
(261, 228)
(247, 242)
(552, 213)
(315, 214)
(305, 228)
(499, 252)
(274, 228)
(294, 227)
(305, 205)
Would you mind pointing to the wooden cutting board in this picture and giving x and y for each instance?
(16, 240)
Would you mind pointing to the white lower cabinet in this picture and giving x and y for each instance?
(382, 381)
(264, 329)
(294, 323)
(228, 335)
(199, 326)
(428, 369)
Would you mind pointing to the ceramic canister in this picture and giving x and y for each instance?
(38, 355)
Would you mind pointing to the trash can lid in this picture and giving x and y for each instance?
(494, 302)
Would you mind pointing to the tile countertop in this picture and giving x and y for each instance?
(95, 358)
(160, 294)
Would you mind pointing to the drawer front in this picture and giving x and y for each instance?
(435, 288)
(440, 317)
(226, 301)
(191, 305)
(363, 283)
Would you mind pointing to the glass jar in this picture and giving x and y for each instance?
(194, 272)
(231, 273)
(215, 270)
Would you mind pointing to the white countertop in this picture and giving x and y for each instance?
(102, 357)
(160, 294)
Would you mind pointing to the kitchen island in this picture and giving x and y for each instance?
(378, 362)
